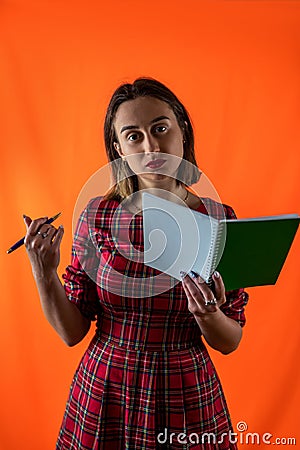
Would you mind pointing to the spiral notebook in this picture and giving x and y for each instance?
(247, 252)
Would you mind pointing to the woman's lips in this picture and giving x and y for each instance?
(156, 163)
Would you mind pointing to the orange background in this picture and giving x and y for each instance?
(235, 65)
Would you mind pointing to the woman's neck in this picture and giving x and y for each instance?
(163, 186)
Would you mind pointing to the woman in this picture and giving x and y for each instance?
(146, 380)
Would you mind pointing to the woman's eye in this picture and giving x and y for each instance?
(132, 137)
(160, 129)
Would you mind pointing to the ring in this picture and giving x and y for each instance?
(44, 235)
(212, 301)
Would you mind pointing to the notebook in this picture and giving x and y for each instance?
(246, 252)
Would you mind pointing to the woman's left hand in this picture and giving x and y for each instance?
(198, 293)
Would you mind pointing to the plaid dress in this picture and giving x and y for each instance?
(146, 380)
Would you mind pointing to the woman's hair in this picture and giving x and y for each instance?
(124, 178)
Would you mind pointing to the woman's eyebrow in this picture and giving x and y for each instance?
(159, 118)
(132, 127)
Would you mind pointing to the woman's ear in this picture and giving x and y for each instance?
(118, 148)
(184, 128)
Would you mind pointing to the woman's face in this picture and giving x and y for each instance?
(149, 137)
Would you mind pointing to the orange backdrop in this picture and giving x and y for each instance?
(235, 65)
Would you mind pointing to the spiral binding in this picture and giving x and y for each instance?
(213, 253)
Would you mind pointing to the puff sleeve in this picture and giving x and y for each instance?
(79, 276)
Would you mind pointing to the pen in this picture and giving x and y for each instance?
(21, 241)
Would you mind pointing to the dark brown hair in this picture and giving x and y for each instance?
(125, 180)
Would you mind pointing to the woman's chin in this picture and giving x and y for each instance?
(155, 177)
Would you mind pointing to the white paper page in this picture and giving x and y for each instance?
(176, 238)
(264, 218)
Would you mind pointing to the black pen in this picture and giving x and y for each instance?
(21, 241)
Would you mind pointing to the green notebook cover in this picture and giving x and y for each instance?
(255, 250)
(178, 239)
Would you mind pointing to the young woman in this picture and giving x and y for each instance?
(146, 380)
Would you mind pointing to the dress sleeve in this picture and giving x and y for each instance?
(237, 299)
(79, 284)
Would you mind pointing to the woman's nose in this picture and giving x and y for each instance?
(150, 144)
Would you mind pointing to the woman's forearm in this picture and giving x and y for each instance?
(63, 315)
(220, 332)
(42, 242)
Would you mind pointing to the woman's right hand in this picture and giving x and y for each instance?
(42, 242)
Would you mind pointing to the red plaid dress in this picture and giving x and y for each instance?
(146, 380)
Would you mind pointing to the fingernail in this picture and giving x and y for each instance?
(182, 274)
(193, 274)
(216, 274)
(61, 226)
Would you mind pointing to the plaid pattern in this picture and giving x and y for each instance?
(146, 371)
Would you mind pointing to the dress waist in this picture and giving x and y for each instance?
(146, 333)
